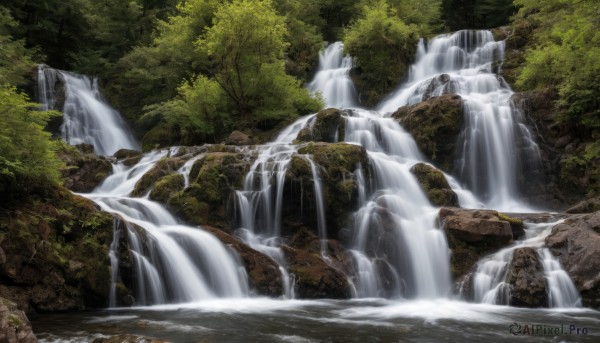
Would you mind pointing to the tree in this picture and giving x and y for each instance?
(246, 46)
(15, 60)
(27, 158)
(383, 46)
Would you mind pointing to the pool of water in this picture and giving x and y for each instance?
(370, 320)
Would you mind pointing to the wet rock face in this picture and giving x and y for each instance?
(435, 125)
(128, 339)
(434, 184)
(526, 279)
(576, 243)
(14, 325)
(471, 234)
(336, 164)
(329, 126)
(84, 170)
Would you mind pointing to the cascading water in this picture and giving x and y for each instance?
(170, 263)
(489, 280)
(333, 77)
(395, 231)
(87, 117)
(490, 160)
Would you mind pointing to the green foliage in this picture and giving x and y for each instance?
(246, 46)
(383, 46)
(566, 56)
(15, 59)
(199, 112)
(27, 157)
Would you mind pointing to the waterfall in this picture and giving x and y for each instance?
(87, 117)
(395, 231)
(333, 77)
(490, 160)
(489, 280)
(171, 263)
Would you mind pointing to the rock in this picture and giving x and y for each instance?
(576, 243)
(263, 273)
(84, 170)
(434, 184)
(122, 154)
(329, 126)
(476, 226)
(435, 125)
(472, 234)
(166, 187)
(336, 164)
(164, 167)
(14, 325)
(586, 206)
(56, 251)
(128, 339)
(238, 138)
(526, 279)
(314, 277)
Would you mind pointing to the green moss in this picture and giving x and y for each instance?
(162, 168)
(166, 187)
(338, 159)
(160, 136)
(189, 208)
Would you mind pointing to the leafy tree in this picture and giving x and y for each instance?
(383, 46)
(27, 159)
(246, 45)
(15, 60)
(476, 14)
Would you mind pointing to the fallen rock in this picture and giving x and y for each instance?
(526, 279)
(576, 243)
(14, 325)
(434, 184)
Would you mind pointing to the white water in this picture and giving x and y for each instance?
(489, 280)
(87, 117)
(172, 263)
(333, 77)
(489, 158)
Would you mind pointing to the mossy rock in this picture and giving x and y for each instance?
(162, 168)
(166, 187)
(84, 170)
(435, 125)
(329, 126)
(185, 206)
(434, 184)
(337, 159)
(56, 249)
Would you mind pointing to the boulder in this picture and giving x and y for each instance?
(472, 234)
(238, 138)
(434, 184)
(263, 273)
(166, 187)
(576, 243)
(329, 126)
(435, 125)
(128, 157)
(314, 277)
(84, 170)
(164, 167)
(14, 325)
(526, 279)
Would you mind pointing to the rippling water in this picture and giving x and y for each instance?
(371, 320)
